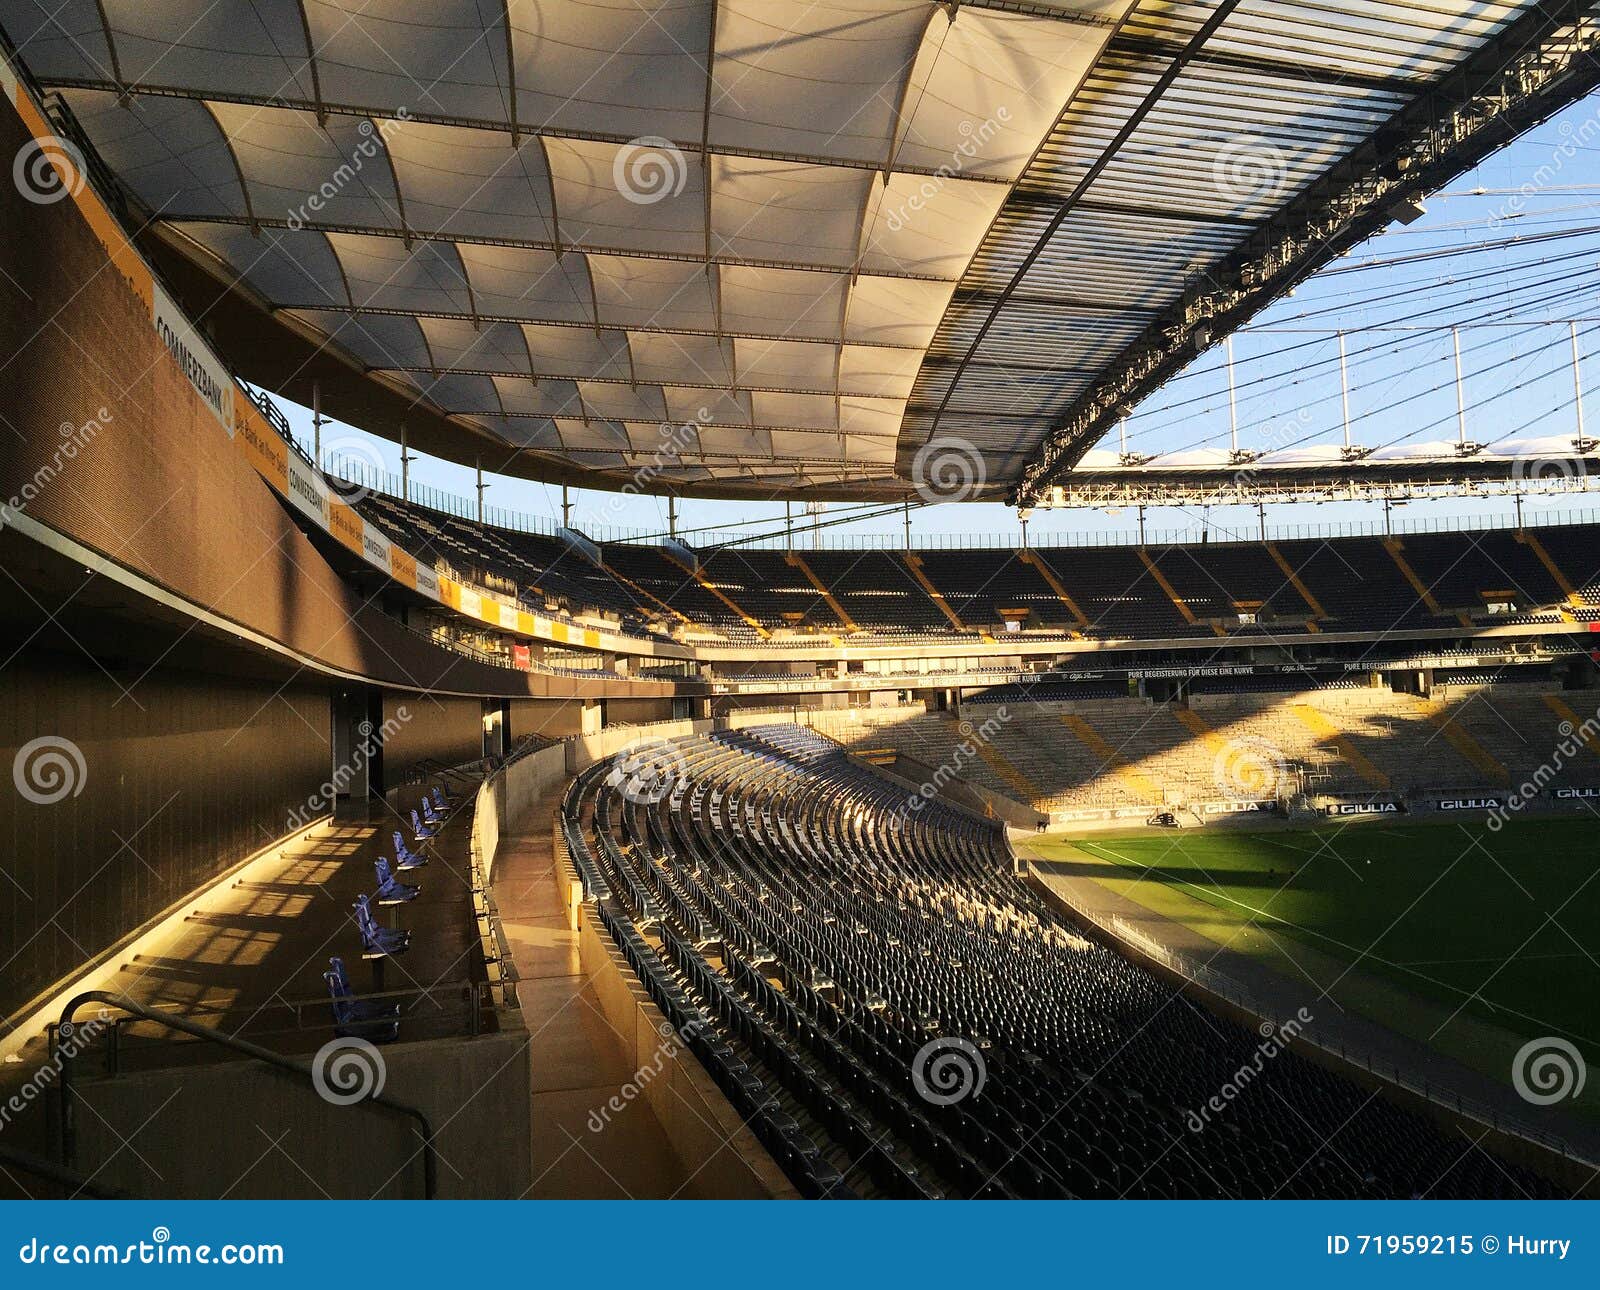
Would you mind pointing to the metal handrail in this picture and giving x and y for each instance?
(50, 1171)
(68, 1126)
(461, 507)
(302, 1014)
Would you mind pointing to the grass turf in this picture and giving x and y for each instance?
(1504, 926)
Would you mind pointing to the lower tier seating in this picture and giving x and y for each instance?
(1094, 753)
(895, 1012)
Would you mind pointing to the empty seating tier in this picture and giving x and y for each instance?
(1105, 592)
(895, 1012)
(1084, 749)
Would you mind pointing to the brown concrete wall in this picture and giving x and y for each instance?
(621, 712)
(252, 1132)
(162, 490)
(181, 776)
(720, 1155)
(554, 719)
(708, 1137)
(436, 727)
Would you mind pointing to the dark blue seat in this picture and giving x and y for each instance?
(378, 942)
(391, 891)
(419, 830)
(404, 857)
(356, 1020)
(353, 1018)
(339, 979)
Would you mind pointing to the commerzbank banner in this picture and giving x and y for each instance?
(211, 380)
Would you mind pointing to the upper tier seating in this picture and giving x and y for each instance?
(1104, 592)
(537, 569)
(762, 583)
(653, 571)
(978, 589)
(849, 969)
(877, 590)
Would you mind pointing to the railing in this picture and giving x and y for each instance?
(300, 1070)
(66, 125)
(276, 419)
(67, 1179)
(300, 1018)
(378, 480)
(375, 479)
(1226, 988)
(445, 641)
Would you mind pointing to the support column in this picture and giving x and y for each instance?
(316, 421)
(496, 727)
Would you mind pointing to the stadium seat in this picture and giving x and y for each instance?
(355, 1018)
(378, 942)
(829, 936)
(404, 857)
(391, 891)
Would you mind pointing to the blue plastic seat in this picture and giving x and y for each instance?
(339, 981)
(350, 1027)
(419, 830)
(353, 1017)
(378, 942)
(391, 891)
(404, 857)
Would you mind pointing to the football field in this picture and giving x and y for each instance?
(1442, 925)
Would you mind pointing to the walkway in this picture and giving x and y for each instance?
(578, 1063)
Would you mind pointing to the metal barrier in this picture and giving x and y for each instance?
(67, 1127)
(80, 1184)
(802, 538)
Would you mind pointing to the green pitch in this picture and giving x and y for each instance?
(1470, 939)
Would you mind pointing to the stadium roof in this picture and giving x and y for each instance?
(745, 248)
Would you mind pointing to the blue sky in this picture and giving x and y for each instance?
(1512, 268)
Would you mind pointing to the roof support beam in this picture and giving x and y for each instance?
(511, 79)
(1544, 61)
(1190, 52)
(238, 170)
(311, 64)
(383, 112)
(111, 49)
(1256, 65)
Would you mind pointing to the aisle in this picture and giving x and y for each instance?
(578, 1067)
